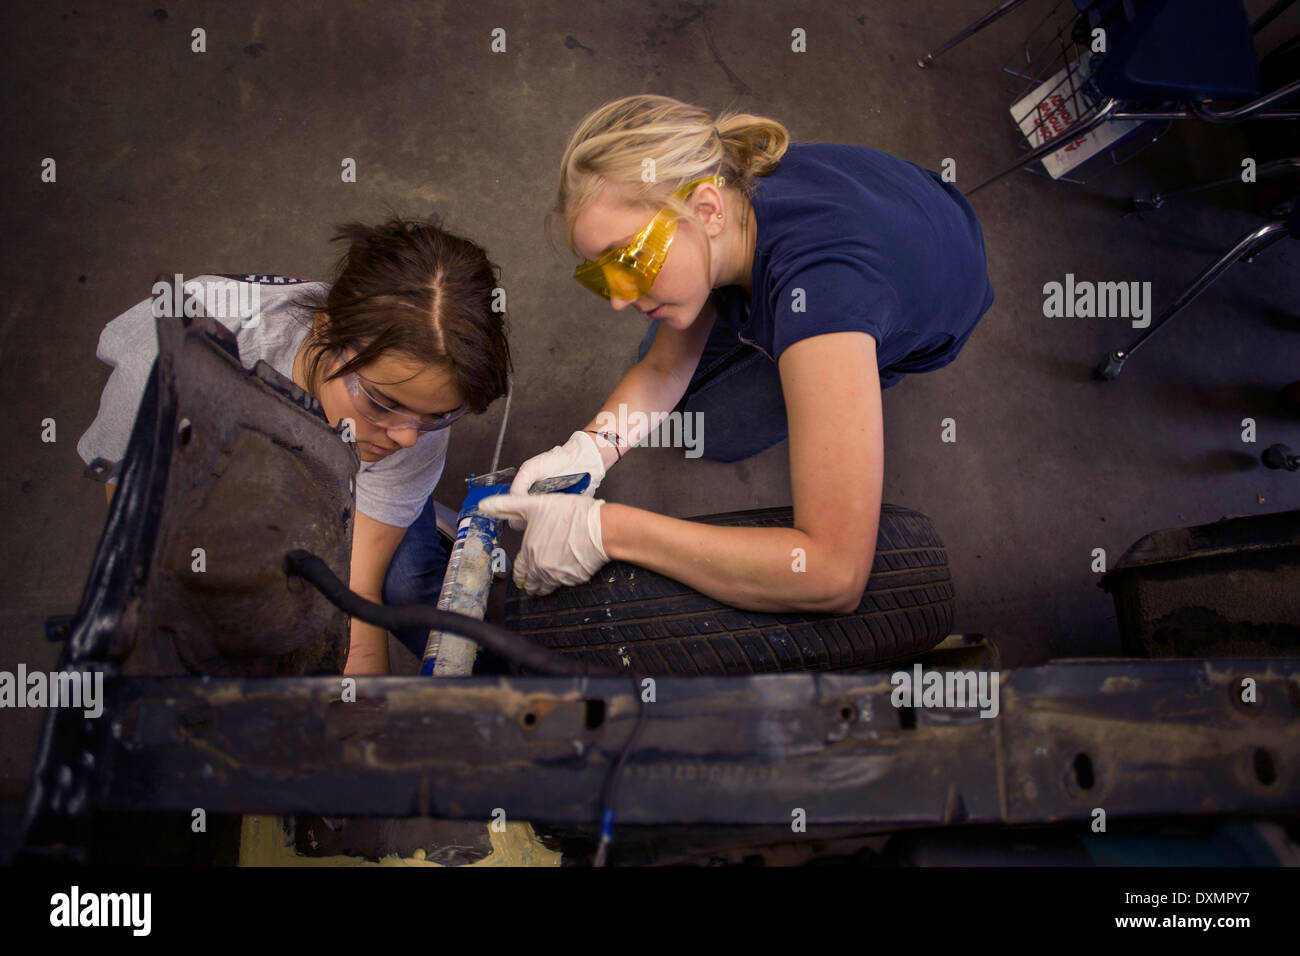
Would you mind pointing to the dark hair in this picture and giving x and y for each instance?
(413, 288)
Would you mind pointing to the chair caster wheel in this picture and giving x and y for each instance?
(1280, 457)
(1109, 367)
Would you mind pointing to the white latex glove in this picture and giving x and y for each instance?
(562, 542)
(580, 453)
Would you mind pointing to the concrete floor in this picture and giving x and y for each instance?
(228, 161)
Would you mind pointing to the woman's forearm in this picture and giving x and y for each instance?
(368, 649)
(644, 388)
(759, 569)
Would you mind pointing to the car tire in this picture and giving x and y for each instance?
(630, 618)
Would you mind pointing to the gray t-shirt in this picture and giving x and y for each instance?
(393, 490)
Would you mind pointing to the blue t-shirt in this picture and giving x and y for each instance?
(853, 239)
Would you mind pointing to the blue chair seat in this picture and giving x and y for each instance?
(1183, 50)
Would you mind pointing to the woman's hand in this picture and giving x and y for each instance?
(577, 455)
(562, 543)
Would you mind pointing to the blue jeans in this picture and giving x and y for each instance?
(737, 389)
(415, 573)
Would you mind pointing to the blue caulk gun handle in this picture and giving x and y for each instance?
(563, 484)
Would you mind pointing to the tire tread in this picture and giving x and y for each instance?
(664, 627)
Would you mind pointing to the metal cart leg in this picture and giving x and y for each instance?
(1269, 15)
(1252, 243)
(1263, 171)
(995, 14)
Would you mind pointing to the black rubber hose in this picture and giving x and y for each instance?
(509, 645)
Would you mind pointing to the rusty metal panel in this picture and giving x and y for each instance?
(1160, 737)
(240, 465)
(1146, 737)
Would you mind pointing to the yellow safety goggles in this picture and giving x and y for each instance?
(629, 271)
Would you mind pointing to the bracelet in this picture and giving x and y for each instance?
(610, 437)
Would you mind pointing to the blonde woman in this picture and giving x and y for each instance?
(788, 284)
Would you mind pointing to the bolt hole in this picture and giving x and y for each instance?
(185, 431)
(1083, 771)
(530, 719)
(847, 714)
(1264, 767)
(595, 713)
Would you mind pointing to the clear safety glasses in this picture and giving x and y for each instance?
(377, 413)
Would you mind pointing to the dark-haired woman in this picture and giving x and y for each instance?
(789, 284)
(402, 342)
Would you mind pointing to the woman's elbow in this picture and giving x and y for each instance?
(839, 593)
(850, 598)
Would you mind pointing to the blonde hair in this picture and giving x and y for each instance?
(612, 143)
